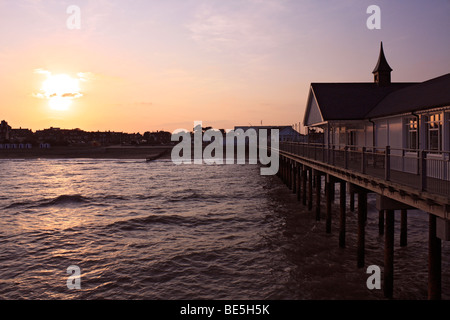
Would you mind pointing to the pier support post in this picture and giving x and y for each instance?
(318, 192)
(328, 185)
(381, 222)
(289, 174)
(299, 182)
(280, 159)
(304, 178)
(280, 171)
(352, 201)
(294, 178)
(404, 228)
(286, 172)
(332, 192)
(389, 254)
(434, 261)
(342, 206)
(362, 212)
(310, 190)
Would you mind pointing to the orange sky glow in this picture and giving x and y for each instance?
(148, 65)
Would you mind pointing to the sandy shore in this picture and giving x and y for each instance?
(114, 152)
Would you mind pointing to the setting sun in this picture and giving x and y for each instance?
(60, 104)
(60, 90)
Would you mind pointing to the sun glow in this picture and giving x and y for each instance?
(61, 104)
(60, 90)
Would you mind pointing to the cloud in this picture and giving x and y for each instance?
(243, 24)
(39, 95)
(42, 71)
(60, 86)
(141, 104)
(71, 95)
(85, 76)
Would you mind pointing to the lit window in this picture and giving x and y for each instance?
(411, 134)
(435, 131)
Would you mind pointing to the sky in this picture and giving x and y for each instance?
(148, 65)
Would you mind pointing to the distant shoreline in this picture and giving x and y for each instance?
(112, 152)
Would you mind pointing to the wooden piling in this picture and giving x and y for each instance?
(294, 178)
(299, 182)
(342, 206)
(352, 201)
(304, 178)
(389, 254)
(280, 168)
(362, 212)
(286, 172)
(434, 261)
(381, 222)
(289, 174)
(332, 193)
(329, 199)
(404, 228)
(318, 191)
(310, 190)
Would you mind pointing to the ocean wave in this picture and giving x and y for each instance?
(64, 200)
(206, 196)
(68, 199)
(18, 204)
(59, 200)
(111, 197)
(142, 223)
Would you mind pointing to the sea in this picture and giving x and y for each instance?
(139, 230)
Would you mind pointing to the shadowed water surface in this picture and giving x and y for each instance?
(158, 231)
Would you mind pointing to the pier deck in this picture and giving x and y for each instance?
(401, 179)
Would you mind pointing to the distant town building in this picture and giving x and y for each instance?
(21, 135)
(289, 134)
(159, 137)
(286, 133)
(5, 130)
(57, 136)
(25, 138)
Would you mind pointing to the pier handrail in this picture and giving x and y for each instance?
(426, 170)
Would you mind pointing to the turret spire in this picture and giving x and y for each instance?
(382, 71)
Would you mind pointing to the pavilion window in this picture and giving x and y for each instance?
(411, 134)
(435, 131)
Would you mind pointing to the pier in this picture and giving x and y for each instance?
(360, 171)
